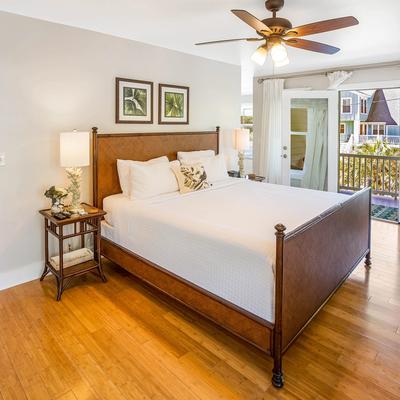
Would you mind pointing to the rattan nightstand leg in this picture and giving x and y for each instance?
(59, 288)
(45, 272)
(97, 249)
(60, 280)
(46, 250)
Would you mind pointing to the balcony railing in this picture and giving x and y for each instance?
(392, 140)
(356, 169)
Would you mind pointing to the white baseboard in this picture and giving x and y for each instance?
(23, 274)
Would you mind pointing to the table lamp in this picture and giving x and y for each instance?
(74, 154)
(242, 143)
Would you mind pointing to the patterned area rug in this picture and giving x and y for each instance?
(383, 212)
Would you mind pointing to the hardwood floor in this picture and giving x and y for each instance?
(121, 341)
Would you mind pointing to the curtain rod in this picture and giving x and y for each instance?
(325, 72)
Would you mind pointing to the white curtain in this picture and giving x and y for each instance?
(267, 138)
(316, 159)
(336, 78)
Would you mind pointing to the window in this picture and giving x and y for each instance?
(246, 121)
(346, 105)
(298, 137)
(342, 129)
(363, 106)
(363, 129)
(298, 144)
(377, 129)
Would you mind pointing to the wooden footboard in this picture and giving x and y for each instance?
(312, 262)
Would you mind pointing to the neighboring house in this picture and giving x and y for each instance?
(366, 116)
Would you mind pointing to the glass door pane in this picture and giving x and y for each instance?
(309, 143)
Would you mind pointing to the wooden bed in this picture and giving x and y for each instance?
(311, 262)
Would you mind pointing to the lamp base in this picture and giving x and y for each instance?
(241, 164)
(74, 175)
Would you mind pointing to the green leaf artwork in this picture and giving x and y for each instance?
(174, 105)
(135, 102)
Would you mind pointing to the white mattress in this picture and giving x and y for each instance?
(221, 239)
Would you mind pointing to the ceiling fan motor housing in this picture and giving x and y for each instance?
(278, 25)
(274, 5)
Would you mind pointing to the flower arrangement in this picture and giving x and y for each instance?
(56, 194)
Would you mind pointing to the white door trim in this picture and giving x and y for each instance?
(333, 131)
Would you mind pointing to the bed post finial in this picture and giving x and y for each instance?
(217, 129)
(280, 229)
(94, 130)
(277, 373)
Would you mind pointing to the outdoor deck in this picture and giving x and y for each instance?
(357, 170)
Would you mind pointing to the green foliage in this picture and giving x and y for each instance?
(246, 120)
(174, 105)
(56, 194)
(383, 169)
(378, 148)
(135, 102)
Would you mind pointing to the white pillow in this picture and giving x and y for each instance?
(149, 180)
(215, 167)
(187, 155)
(124, 171)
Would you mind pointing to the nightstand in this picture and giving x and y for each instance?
(251, 177)
(63, 267)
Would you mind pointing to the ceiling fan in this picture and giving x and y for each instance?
(277, 32)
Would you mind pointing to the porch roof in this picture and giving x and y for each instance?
(379, 111)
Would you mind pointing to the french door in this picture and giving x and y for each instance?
(310, 139)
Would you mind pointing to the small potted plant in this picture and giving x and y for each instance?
(56, 194)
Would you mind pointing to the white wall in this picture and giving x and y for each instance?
(55, 78)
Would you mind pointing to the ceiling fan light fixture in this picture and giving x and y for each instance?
(279, 53)
(260, 55)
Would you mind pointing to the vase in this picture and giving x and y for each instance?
(56, 207)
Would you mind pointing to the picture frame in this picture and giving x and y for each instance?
(173, 104)
(133, 101)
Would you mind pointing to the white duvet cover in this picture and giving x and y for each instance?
(221, 239)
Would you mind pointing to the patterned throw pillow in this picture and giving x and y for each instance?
(191, 177)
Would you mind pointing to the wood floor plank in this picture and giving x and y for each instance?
(121, 340)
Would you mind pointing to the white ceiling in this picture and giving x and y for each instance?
(178, 24)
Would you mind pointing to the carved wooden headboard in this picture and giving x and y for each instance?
(107, 148)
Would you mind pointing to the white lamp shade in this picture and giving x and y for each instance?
(278, 52)
(242, 139)
(74, 149)
(260, 55)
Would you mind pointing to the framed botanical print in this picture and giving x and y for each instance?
(173, 104)
(134, 101)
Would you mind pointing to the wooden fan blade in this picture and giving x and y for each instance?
(312, 46)
(229, 40)
(322, 26)
(251, 20)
